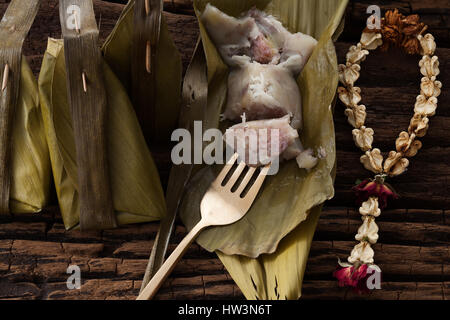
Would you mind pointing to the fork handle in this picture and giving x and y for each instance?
(158, 279)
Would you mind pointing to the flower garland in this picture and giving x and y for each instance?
(373, 194)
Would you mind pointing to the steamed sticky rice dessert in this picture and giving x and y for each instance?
(265, 60)
(267, 144)
(261, 92)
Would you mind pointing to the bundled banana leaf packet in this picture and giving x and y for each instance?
(24, 157)
(163, 92)
(30, 161)
(135, 183)
(266, 251)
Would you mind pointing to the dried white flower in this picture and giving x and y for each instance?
(363, 138)
(427, 43)
(350, 97)
(426, 107)
(416, 145)
(362, 252)
(368, 231)
(356, 116)
(395, 164)
(403, 142)
(407, 144)
(430, 87)
(370, 207)
(349, 73)
(373, 160)
(429, 66)
(391, 160)
(371, 40)
(356, 54)
(419, 125)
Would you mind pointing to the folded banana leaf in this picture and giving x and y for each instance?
(268, 262)
(118, 52)
(136, 188)
(24, 160)
(157, 95)
(30, 161)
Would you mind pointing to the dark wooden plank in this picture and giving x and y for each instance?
(113, 263)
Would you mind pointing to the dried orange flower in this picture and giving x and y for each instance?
(411, 25)
(402, 31)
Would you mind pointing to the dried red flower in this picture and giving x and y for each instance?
(355, 278)
(372, 188)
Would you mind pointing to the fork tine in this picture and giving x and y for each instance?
(251, 194)
(226, 169)
(246, 180)
(236, 175)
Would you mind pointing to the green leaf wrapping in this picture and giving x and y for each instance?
(136, 188)
(117, 51)
(30, 161)
(24, 160)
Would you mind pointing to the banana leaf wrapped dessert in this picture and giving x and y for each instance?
(143, 96)
(135, 184)
(156, 95)
(24, 158)
(266, 251)
(265, 60)
(30, 161)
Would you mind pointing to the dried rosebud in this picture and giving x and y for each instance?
(355, 278)
(368, 188)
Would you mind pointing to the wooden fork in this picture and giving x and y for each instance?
(220, 206)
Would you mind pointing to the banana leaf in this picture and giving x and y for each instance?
(24, 159)
(117, 51)
(268, 262)
(30, 161)
(164, 94)
(136, 188)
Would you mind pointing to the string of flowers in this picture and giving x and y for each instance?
(373, 194)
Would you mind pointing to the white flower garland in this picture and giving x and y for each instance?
(407, 144)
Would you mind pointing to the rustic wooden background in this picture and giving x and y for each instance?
(414, 233)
